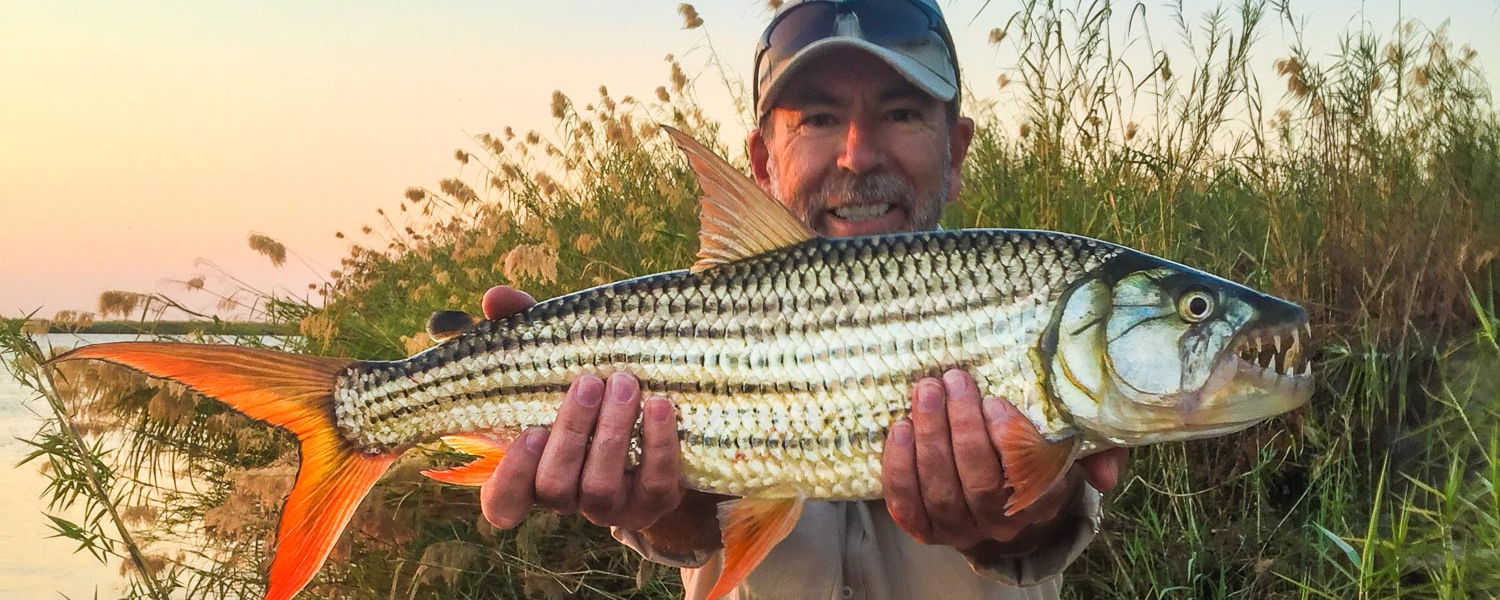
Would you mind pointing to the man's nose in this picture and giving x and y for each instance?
(862, 151)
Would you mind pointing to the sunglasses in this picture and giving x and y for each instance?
(892, 24)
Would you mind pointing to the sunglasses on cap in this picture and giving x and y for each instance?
(905, 27)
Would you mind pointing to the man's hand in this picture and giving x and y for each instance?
(579, 464)
(943, 480)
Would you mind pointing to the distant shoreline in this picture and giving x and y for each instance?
(252, 328)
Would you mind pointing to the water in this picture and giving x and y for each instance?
(33, 564)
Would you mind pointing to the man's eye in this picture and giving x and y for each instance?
(819, 120)
(903, 115)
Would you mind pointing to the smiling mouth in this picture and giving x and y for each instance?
(862, 212)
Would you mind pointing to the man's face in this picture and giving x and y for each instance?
(855, 149)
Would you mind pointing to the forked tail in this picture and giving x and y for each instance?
(291, 391)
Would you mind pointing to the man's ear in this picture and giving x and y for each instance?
(959, 137)
(760, 157)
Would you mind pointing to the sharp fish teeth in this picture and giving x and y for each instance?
(1279, 360)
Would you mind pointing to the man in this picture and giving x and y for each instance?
(859, 133)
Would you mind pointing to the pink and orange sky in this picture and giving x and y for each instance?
(137, 138)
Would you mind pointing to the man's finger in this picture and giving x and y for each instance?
(658, 482)
(507, 496)
(898, 476)
(978, 464)
(503, 301)
(942, 494)
(1103, 469)
(562, 462)
(602, 490)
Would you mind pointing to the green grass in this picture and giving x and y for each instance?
(1369, 193)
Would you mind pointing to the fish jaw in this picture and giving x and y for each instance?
(1266, 372)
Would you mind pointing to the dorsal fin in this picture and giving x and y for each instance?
(737, 220)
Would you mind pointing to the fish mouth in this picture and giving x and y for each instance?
(1267, 371)
(1273, 354)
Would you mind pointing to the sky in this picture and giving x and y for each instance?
(142, 142)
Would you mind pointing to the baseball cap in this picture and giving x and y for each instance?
(909, 35)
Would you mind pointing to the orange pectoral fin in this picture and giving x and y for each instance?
(489, 447)
(751, 528)
(1032, 463)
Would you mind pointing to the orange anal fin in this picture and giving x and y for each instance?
(1032, 463)
(751, 528)
(489, 447)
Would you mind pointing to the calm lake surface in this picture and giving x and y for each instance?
(32, 563)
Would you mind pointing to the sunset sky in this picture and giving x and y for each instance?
(137, 138)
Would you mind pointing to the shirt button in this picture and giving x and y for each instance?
(848, 592)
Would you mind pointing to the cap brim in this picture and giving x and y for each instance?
(914, 71)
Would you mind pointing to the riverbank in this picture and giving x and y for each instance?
(224, 328)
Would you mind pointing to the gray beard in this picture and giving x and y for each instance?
(872, 188)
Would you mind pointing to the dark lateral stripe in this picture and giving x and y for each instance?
(806, 444)
(656, 331)
(378, 417)
(379, 410)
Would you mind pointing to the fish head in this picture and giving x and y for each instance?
(1147, 351)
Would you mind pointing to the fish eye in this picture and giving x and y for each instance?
(1196, 305)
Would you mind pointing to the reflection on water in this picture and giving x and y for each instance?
(33, 564)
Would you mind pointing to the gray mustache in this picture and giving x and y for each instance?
(863, 189)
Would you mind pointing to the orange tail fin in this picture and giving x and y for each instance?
(290, 391)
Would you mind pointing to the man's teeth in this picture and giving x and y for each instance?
(863, 212)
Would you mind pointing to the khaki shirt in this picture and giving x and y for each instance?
(849, 550)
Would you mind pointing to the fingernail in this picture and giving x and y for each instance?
(929, 397)
(584, 392)
(658, 409)
(536, 440)
(956, 377)
(995, 409)
(619, 388)
(901, 433)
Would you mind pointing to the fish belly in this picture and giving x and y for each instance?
(786, 370)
